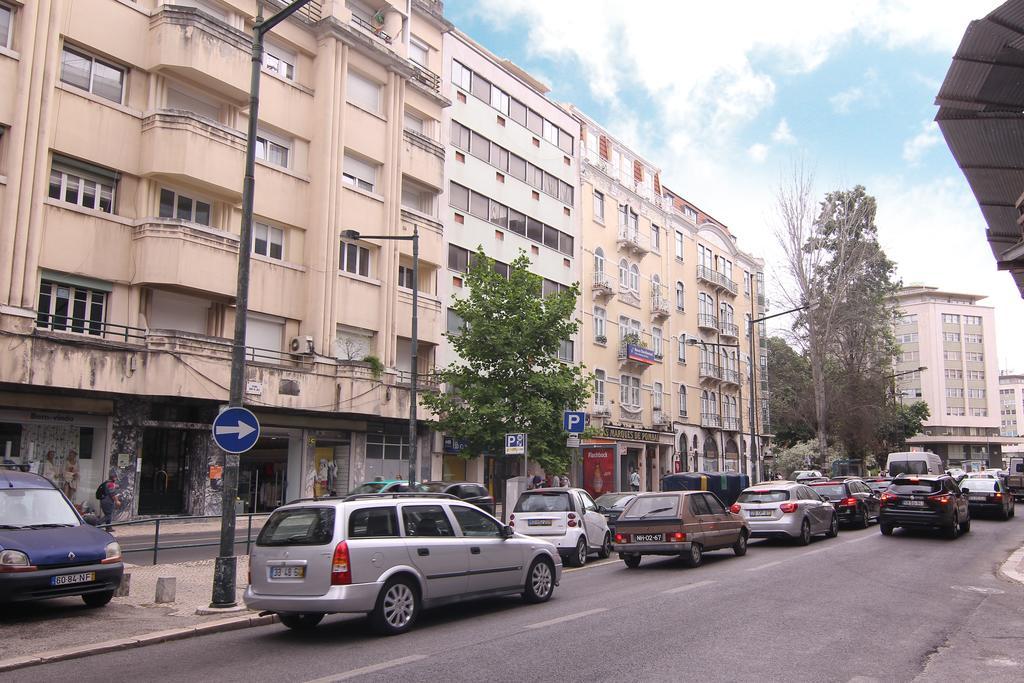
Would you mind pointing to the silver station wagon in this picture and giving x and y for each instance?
(390, 556)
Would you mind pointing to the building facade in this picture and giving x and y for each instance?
(511, 187)
(121, 166)
(1011, 411)
(948, 354)
(664, 323)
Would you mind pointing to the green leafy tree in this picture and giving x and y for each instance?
(508, 377)
(791, 397)
(802, 456)
(903, 422)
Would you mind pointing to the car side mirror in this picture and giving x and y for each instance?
(965, 490)
(507, 531)
(601, 508)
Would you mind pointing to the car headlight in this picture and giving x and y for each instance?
(113, 552)
(14, 561)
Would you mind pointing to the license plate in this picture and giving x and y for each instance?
(914, 503)
(981, 498)
(759, 513)
(66, 579)
(538, 522)
(287, 572)
(648, 538)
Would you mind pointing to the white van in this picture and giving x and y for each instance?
(915, 462)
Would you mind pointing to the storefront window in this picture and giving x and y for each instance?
(387, 453)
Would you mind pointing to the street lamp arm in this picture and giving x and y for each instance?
(776, 315)
(268, 25)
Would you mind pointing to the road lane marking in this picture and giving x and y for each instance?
(568, 617)
(765, 566)
(689, 586)
(589, 565)
(368, 669)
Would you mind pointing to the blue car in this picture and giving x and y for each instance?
(46, 548)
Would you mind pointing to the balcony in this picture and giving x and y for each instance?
(709, 371)
(731, 424)
(167, 251)
(425, 77)
(600, 411)
(660, 419)
(602, 285)
(195, 46)
(631, 240)
(371, 28)
(190, 148)
(710, 421)
(729, 375)
(422, 159)
(716, 280)
(635, 356)
(707, 321)
(729, 330)
(659, 306)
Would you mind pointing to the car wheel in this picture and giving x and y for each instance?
(965, 527)
(886, 529)
(97, 599)
(606, 547)
(632, 560)
(833, 528)
(397, 607)
(865, 521)
(540, 581)
(805, 533)
(579, 556)
(953, 530)
(695, 556)
(740, 546)
(301, 622)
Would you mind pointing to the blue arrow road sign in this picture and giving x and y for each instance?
(236, 430)
(573, 421)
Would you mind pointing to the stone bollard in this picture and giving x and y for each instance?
(122, 589)
(166, 587)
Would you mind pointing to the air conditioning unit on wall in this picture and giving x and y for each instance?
(302, 345)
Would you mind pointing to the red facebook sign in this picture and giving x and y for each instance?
(599, 469)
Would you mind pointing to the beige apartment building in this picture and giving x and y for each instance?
(667, 296)
(1011, 411)
(948, 354)
(121, 158)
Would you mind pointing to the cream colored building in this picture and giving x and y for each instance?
(1011, 410)
(120, 184)
(667, 293)
(953, 338)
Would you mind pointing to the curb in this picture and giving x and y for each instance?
(219, 626)
(1011, 569)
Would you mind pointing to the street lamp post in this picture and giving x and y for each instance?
(900, 374)
(414, 343)
(693, 341)
(225, 567)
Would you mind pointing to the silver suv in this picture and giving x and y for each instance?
(390, 556)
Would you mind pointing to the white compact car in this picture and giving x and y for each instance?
(567, 518)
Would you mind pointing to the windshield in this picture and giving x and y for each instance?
(763, 497)
(34, 508)
(979, 485)
(298, 526)
(544, 502)
(614, 500)
(909, 486)
(651, 506)
(371, 487)
(830, 491)
(908, 467)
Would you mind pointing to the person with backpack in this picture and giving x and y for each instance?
(109, 495)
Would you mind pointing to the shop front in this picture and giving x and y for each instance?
(620, 451)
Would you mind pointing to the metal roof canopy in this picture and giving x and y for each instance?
(981, 116)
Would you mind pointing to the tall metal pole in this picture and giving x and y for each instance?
(753, 415)
(414, 355)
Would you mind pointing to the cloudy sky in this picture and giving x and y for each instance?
(724, 96)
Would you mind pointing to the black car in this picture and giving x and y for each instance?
(878, 484)
(469, 491)
(611, 506)
(855, 502)
(931, 501)
(989, 495)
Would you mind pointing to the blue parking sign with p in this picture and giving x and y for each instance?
(574, 421)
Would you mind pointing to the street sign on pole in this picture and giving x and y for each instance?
(572, 442)
(236, 430)
(515, 444)
(574, 421)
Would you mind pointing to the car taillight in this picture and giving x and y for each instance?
(941, 499)
(997, 496)
(848, 502)
(676, 536)
(341, 570)
(621, 538)
(888, 498)
(788, 507)
(572, 519)
(511, 520)
(735, 507)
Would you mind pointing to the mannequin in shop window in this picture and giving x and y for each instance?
(71, 475)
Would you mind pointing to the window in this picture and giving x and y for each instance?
(599, 262)
(354, 259)
(950, 319)
(679, 246)
(972, 320)
(363, 92)
(946, 336)
(974, 356)
(975, 374)
(481, 88)
(911, 337)
(94, 75)
(298, 526)
(268, 241)
(458, 258)
(455, 323)
(550, 132)
(426, 520)
(359, 173)
(907, 319)
(418, 198)
(82, 184)
(600, 325)
(746, 283)
(405, 278)
(634, 278)
(956, 412)
(279, 61)
(176, 205)
(599, 384)
(565, 351)
(954, 392)
(461, 76)
(499, 100)
(656, 391)
(372, 523)
(629, 391)
(272, 151)
(682, 349)
(972, 339)
(682, 401)
(418, 52)
(655, 237)
(975, 393)
(478, 205)
(6, 25)
(979, 412)
(71, 308)
(656, 342)
(475, 523)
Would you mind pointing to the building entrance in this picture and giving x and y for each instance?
(164, 471)
(263, 474)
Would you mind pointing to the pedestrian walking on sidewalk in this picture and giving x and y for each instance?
(110, 499)
(634, 481)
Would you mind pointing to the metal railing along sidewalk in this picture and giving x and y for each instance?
(174, 521)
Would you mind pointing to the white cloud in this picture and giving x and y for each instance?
(915, 147)
(843, 101)
(866, 94)
(782, 134)
(758, 152)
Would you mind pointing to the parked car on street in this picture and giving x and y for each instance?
(683, 523)
(46, 548)
(385, 486)
(469, 491)
(925, 501)
(565, 517)
(390, 556)
(800, 475)
(780, 509)
(989, 496)
(855, 503)
(611, 506)
(878, 484)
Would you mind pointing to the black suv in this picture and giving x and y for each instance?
(855, 503)
(925, 501)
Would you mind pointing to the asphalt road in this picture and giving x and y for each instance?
(858, 607)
